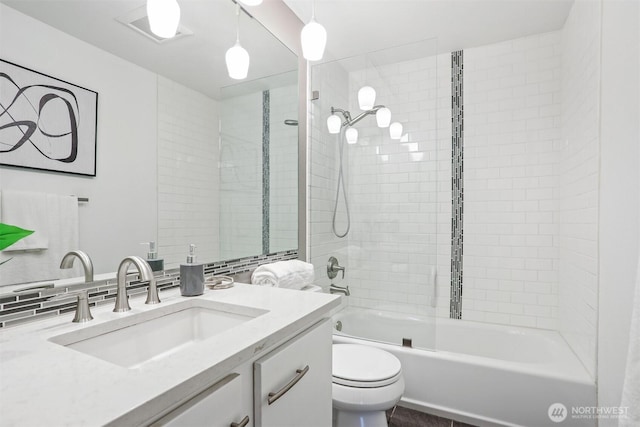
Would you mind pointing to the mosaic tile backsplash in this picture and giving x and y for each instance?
(18, 308)
(457, 183)
(266, 174)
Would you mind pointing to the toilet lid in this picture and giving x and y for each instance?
(362, 366)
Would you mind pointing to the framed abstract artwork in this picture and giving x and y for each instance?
(46, 123)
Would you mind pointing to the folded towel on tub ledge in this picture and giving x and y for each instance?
(292, 274)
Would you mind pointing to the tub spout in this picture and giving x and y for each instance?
(339, 289)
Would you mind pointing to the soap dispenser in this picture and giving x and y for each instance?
(191, 275)
(156, 264)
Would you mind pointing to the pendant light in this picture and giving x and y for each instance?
(237, 58)
(383, 117)
(395, 130)
(366, 97)
(352, 135)
(313, 38)
(164, 17)
(334, 122)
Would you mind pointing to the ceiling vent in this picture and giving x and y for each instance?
(138, 21)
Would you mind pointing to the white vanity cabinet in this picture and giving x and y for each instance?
(227, 403)
(289, 385)
(292, 383)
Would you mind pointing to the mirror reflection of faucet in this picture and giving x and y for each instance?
(87, 265)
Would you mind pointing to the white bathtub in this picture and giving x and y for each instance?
(482, 374)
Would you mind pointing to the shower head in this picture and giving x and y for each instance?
(348, 121)
(291, 122)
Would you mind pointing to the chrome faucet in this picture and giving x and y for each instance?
(67, 262)
(146, 275)
(339, 289)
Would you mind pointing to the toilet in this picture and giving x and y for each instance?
(366, 382)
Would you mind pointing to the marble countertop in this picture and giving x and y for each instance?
(43, 383)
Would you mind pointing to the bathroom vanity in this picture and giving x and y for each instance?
(244, 356)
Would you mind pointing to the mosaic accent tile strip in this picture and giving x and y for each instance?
(457, 183)
(18, 308)
(266, 117)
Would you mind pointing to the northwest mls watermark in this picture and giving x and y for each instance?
(558, 412)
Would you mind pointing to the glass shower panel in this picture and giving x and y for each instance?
(283, 168)
(390, 204)
(259, 166)
(241, 175)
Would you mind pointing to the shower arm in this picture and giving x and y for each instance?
(347, 116)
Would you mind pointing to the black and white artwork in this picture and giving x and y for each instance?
(46, 123)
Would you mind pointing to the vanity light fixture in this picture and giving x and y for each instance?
(366, 97)
(395, 130)
(164, 17)
(334, 122)
(352, 135)
(313, 38)
(383, 117)
(251, 2)
(237, 57)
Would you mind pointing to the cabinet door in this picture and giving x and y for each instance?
(220, 405)
(293, 382)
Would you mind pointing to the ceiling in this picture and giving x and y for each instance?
(196, 61)
(355, 27)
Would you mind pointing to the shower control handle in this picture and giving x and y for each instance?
(333, 267)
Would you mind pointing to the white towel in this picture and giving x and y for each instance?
(293, 274)
(31, 266)
(631, 388)
(27, 210)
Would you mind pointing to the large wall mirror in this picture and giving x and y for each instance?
(185, 154)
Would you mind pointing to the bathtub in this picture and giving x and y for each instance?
(482, 374)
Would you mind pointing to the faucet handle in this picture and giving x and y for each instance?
(83, 313)
(333, 267)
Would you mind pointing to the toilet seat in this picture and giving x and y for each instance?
(361, 366)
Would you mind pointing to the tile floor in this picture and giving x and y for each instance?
(404, 417)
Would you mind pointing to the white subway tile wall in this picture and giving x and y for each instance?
(188, 179)
(578, 173)
(531, 183)
(512, 136)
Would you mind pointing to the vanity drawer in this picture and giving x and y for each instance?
(292, 384)
(220, 405)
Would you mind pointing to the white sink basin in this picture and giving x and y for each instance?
(140, 338)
